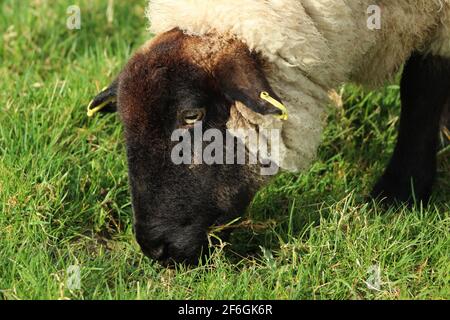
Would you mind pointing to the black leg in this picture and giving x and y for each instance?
(425, 90)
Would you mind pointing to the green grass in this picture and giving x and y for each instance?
(64, 197)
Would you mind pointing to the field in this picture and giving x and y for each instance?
(65, 204)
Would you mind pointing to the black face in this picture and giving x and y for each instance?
(174, 205)
(164, 89)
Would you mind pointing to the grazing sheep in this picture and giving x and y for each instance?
(210, 63)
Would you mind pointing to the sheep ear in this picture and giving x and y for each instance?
(242, 79)
(105, 101)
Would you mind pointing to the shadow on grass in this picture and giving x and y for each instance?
(357, 146)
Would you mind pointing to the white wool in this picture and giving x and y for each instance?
(312, 47)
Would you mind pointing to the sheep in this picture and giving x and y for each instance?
(212, 61)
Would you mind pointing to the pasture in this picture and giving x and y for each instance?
(65, 204)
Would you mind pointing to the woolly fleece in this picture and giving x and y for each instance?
(312, 47)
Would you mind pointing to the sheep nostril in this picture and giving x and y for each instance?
(158, 252)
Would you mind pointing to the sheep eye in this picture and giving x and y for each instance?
(190, 117)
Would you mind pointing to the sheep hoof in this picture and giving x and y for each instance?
(392, 191)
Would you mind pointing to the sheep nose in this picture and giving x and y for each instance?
(156, 252)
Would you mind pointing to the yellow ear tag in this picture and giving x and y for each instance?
(93, 111)
(277, 104)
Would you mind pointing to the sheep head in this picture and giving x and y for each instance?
(185, 82)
